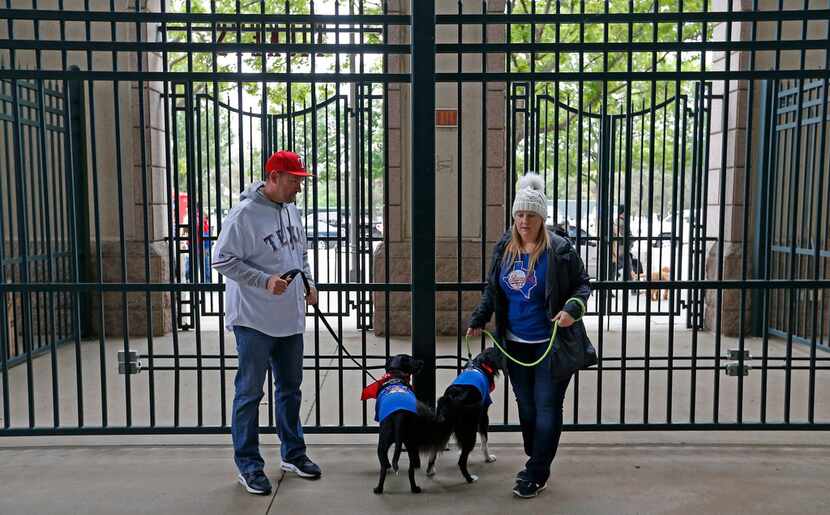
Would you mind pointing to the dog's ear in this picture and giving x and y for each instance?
(417, 365)
(501, 361)
(396, 362)
(495, 359)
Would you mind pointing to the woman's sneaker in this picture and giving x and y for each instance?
(527, 489)
(523, 475)
(303, 467)
(255, 482)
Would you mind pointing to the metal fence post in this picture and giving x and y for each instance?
(759, 257)
(422, 179)
(76, 124)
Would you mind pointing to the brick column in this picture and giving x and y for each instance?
(142, 167)
(732, 179)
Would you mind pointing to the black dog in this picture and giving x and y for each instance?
(463, 409)
(403, 419)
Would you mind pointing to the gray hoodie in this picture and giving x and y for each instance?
(260, 238)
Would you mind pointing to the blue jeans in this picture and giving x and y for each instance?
(540, 400)
(206, 258)
(258, 351)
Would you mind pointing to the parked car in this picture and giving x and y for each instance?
(326, 237)
(340, 224)
(584, 237)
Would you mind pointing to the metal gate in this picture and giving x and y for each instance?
(40, 186)
(598, 165)
(342, 226)
(792, 230)
(394, 104)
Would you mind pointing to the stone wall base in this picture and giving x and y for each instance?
(140, 321)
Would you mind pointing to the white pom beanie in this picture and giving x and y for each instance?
(530, 195)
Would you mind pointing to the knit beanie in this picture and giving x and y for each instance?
(530, 195)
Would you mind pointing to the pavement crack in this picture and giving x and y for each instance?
(274, 495)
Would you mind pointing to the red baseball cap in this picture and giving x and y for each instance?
(284, 161)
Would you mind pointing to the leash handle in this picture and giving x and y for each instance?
(291, 274)
(511, 358)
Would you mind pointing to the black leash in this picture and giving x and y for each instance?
(289, 276)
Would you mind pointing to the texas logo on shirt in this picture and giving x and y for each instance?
(519, 280)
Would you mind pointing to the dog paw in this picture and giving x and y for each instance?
(416, 489)
(430, 472)
(490, 458)
(473, 478)
(378, 490)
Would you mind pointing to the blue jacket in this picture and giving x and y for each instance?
(567, 287)
(394, 396)
(477, 378)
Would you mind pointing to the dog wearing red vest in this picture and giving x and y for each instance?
(403, 419)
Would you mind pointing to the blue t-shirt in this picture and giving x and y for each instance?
(527, 317)
(394, 396)
(477, 378)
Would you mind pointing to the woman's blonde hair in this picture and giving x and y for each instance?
(514, 247)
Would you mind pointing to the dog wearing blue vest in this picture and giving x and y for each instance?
(403, 419)
(462, 410)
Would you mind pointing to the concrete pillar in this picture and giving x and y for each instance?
(142, 167)
(733, 179)
(448, 165)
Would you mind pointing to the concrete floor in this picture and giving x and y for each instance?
(594, 473)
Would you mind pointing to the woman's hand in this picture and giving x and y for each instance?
(474, 331)
(564, 319)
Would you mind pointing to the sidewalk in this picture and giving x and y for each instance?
(594, 473)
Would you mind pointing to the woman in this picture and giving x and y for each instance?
(536, 278)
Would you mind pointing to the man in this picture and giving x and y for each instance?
(261, 239)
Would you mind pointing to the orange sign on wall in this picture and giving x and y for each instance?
(446, 118)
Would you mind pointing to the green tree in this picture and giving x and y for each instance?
(556, 132)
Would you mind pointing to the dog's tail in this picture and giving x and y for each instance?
(398, 443)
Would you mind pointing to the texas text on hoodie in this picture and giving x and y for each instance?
(260, 238)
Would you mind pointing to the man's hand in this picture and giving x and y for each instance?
(311, 296)
(564, 319)
(277, 285)
(474, 331)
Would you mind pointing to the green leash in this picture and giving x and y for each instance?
(511, 358)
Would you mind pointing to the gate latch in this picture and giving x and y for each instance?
(128, 362)
(734, 367)
(735, 354)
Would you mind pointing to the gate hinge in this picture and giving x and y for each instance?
(128, 362)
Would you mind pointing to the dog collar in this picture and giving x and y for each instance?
(490, 374)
